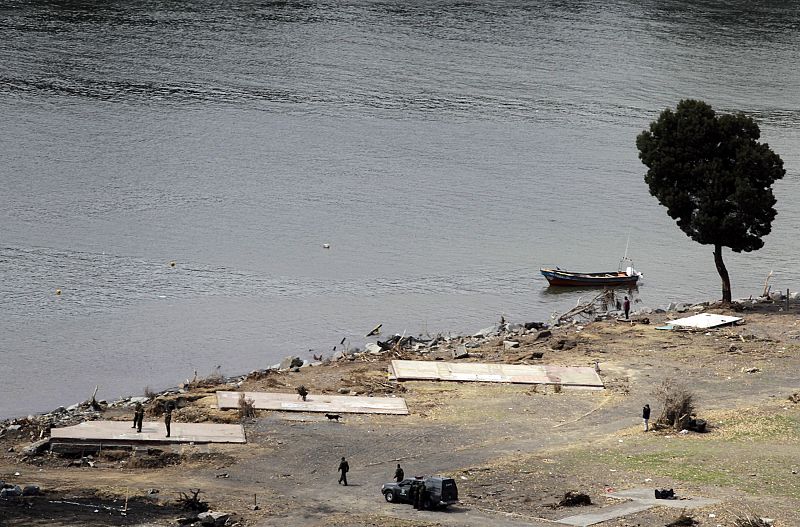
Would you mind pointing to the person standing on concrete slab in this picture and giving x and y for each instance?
(168, 418)
(646, 417)
(626, 305)
(399, 474)
(344, 468)
(138, 417)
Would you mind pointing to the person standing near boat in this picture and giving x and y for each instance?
(626, 305)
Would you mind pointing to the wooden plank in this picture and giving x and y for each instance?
(334, 404)
(152, 431)
(495, 372)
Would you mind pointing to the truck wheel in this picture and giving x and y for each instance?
(388, 496)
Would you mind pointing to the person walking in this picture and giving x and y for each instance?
(626, 305)
(399, 474)
(344, 468)
(168, 418)
(646, 417)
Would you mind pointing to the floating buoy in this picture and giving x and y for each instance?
(172, 263)
(326, 245)
(58, 292)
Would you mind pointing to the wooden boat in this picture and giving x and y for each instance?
(627, 278)
(558, 277)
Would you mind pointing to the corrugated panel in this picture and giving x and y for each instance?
(151, 431)
(704, 321)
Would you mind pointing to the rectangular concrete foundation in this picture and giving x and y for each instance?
(334, 404)
(407, 370)
(120, 432)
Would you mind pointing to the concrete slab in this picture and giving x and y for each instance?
(152, 432)
(334, 404)
(406, 370)
(637, 500)
(605, 514)
(647, 495)
(704, 321)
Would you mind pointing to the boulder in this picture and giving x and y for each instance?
(373, 349)
(563, 344)
(213, 519)
(535, 325)
(11, 492)
(37, 447)
(515, 328)
(460, 352)
(290, 362)
(510, 344)
(31, 490)
(776, 296)
(544, 334)
(472, 345)
(486, 332)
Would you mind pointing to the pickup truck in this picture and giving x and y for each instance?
(441, 491)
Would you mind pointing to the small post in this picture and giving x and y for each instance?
(787, 299)
(126, 499)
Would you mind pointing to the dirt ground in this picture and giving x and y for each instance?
(514, 450)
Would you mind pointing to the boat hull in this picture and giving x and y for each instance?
(557, 277)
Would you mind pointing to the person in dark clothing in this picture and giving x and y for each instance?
(344, 468)
(399, 474)
(416, 493)
(139, 416)
(626, 305)
(424, 497)
(136, 415)
(168, 418)
(302, 392)
(646, 417)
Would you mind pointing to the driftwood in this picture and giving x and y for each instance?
(598, 303)
(193, 502)
(766, 285)
(93, 401)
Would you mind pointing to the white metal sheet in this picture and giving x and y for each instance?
(704, 321)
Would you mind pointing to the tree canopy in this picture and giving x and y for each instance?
(713, 176)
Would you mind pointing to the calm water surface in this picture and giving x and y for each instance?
(445, 149)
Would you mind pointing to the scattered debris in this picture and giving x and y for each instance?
(683, 520)
(575, 499)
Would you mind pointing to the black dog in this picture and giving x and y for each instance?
(333, 417)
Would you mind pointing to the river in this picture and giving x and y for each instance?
(444, 149)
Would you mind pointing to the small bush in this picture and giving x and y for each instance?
(677, 403)
(149, 393)
(247, 407)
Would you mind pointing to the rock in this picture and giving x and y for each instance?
(672, 306)
(373, 349)
(681, 307)
(515, 328)
(510, 344)
(544, 334)
(486, 332)
(472, 345)
(11, 492)
(659, 311)
(563, 344)
(535, 325)
(31, 490)
(751, 370)
(13, 428)
(344, 391)
(698, 308)
(290, 362)
(217, 519)
(460, 352)
(794, 295)
(776, 296)
(537, 354)
(37, 447)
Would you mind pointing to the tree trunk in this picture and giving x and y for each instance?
(723, 273)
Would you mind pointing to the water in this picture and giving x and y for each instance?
(446, 150)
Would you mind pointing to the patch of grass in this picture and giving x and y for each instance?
(757, 426)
